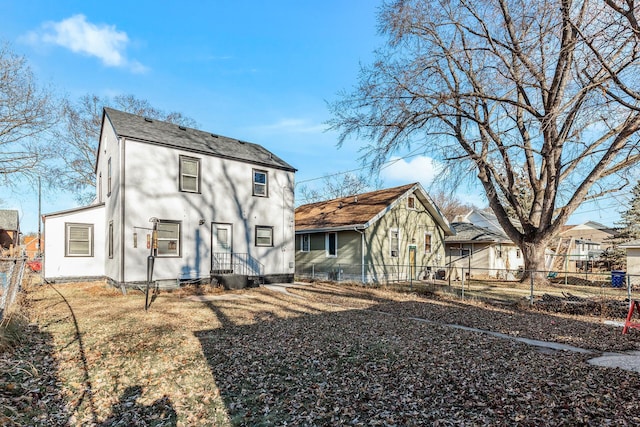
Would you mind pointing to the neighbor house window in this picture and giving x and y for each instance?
(168, 239)
(260, 183)
(394, 242)
(427, 243)
(264, 235)
(110, 243)
(304, 242)
(79, 240)
(517, 253)
(332, 244)
(411, 202)
(109, 177)
(189, 174)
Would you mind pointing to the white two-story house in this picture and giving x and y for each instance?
(202, 205)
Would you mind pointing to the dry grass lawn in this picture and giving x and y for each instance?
(327, 355)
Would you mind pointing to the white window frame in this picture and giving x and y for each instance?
(424, 243)
(391, 248)
(305, 238)
(110, 240)
(263, 228)
(261, 185)
(109, 176)
(67, 239)
(183, 174)
(335, 244)
(171, 252)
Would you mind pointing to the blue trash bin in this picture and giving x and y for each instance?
(617, 278)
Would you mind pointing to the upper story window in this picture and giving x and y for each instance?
(109, 177)
(168, 240)
(332, 244)
(260, 183)
(189, 174)
(411, 202)
(79, 240)
(304, 242)
(394, 242)
(427, 243)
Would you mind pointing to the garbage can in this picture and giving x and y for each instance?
(617, 278)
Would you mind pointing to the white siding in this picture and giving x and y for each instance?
(151, 190)
(56, 264)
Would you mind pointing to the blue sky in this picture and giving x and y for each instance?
(260, 71)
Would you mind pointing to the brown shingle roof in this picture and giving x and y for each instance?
(346, 211)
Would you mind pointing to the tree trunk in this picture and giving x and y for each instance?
(534, 259)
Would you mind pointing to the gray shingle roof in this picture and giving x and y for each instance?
(8, 220)
(467, 232)
(169, 134)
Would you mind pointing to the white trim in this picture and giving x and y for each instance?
(326, 245)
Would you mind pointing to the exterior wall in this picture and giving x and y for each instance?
(56, 265)
(487, 259)
(151, 189)
(110, 148)
(412, 225)
(318, 263)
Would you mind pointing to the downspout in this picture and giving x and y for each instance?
(122, 211)
(362, 253)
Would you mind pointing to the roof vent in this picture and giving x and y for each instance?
(147, 119)
(355, 199)
(241, 142)
(182, 128)
(214, 135)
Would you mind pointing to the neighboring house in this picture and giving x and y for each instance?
(31, 246)
(202, 204)
(482, 218)
(9, 232)
(392, 234)
(578, 246)
(485, 252)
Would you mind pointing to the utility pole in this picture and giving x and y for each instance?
(39, 253)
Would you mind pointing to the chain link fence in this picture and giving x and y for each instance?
(605, 292)
(12, 271)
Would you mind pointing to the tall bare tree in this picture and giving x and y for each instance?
(27, 111)
(79, 135)
(537, 94)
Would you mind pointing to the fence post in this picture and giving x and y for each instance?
(531, 274)
(313, 271)
(462, 283)
(629, 287)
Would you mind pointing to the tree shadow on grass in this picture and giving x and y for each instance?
(366, 367)
(29, 389)
(128, 412)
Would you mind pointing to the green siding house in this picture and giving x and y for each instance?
(385, 235)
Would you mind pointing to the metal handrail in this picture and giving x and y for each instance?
(236, 263)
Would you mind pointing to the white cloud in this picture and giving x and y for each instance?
(102, 41)
(418, 169)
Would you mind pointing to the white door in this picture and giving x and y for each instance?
(221, 247)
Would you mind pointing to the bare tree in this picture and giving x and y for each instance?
(450, 206)
(26, 113)
(335, 186)
(80, 132)
(536, 94)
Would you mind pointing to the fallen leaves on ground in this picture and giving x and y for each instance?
(340, 355)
